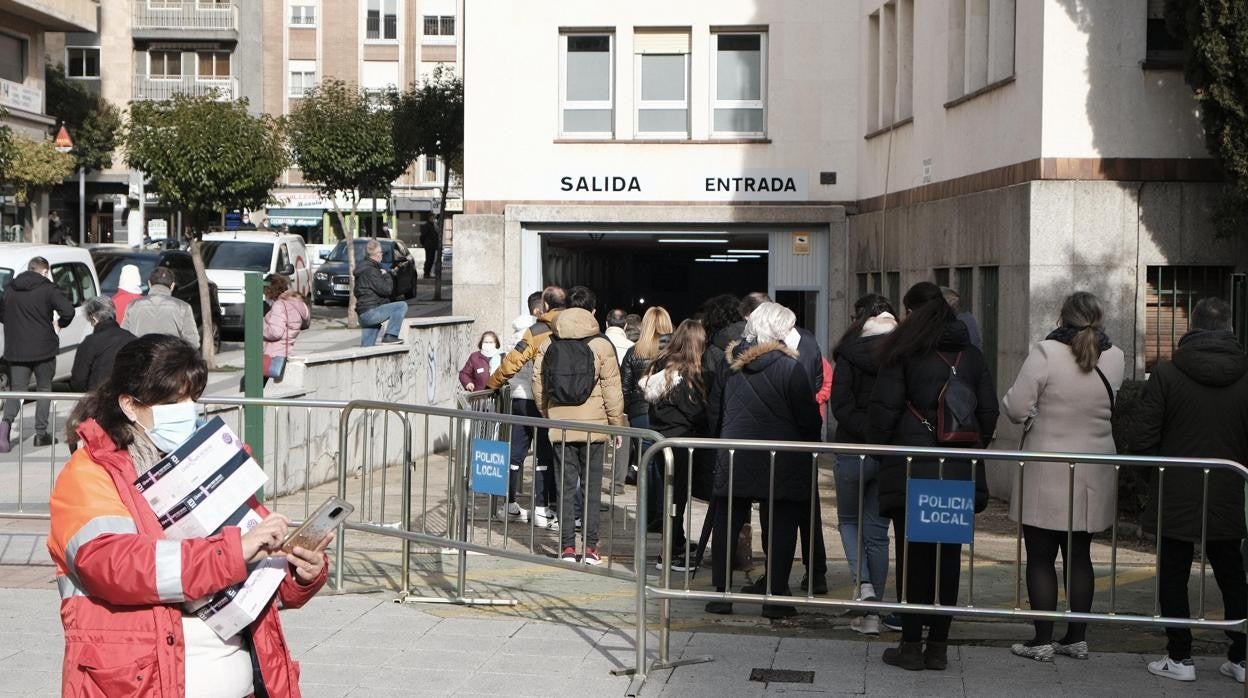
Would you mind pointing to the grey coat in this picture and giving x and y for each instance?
(1071, 415)
(160, 313)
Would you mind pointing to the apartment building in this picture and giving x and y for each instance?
(24, 28)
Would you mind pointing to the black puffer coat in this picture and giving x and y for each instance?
(917, 381)
(767, 396)
(27, 310)
(94, 360)
(373, 285)
(1196, 406)
(676, 407)
(715, 363)
(853, 379)
(632, 368)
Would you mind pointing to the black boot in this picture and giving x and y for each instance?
(907, 655)
(935, 655)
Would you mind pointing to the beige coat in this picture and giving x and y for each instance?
(1070, 412)
(605, 405)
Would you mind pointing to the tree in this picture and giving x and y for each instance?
(344, 144)
(205, 157)
(1215, 43)
(6, 147)
(36, 167)
(429, 121)
(94, 124)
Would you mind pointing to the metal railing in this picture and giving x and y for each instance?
(666, 592)
(184, 14)
(150, 87)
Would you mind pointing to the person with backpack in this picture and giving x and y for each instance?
(675, 388)
(1064, 395)
(933, 389)
(576, 378)
(852, 382)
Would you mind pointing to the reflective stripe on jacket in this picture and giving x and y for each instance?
(122, 582)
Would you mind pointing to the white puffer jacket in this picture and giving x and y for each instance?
(522, 382)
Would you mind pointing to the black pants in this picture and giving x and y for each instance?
(917, 571)
(19, 380)
(431, 255)
(545, 489)
(816, 560)
(579, 463)
(1043, 545)
(1175, 560)
(680, 498)
(784, 518)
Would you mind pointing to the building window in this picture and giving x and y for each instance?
(739, 75)
(587, 106)
(439, 26)
(303, 15)
(662, 67)
(890, 64)
(214, 65)
(941, 276)
(382, 21)
(989, 306)
(83, 62)
(894, 288)
(981, 44)
(302, 77)
(964, 284)
(12, 58)
(165, 65)
(863, 284)
(430, 170)
(1171, 294)
(1161, 45)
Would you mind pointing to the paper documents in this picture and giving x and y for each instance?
(208, 483)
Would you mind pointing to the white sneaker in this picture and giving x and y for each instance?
(545, 517)
(512, 512)
(1233, 670)
(866, 625)
(1173, 669)
(867, 592)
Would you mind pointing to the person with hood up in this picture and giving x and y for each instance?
(864, 533)
(916, 361)
(675, 388)
(1196, 406)
(580, 455)
(374, 287)
(30, 342)
(129, 289)
(767, 395)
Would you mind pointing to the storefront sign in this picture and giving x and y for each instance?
(801, 243)
(18, 96)
(940, 511)
(489, 466)
(740, 185)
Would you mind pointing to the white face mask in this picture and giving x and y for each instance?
(489, 349)
(172, 424)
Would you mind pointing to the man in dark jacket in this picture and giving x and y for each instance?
(373, 288)
(30, 341)
(93, 361)
(1207, 376)
(429, 242)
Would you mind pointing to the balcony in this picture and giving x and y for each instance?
(184, 19)
(148, 87)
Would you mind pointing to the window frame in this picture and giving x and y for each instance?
(579, 105)
(381, 38)
(717, 103)
(640, 105)
(429, 174)
(68, 62)
(166, 77)
(441, 36)
(23, 42)
(200, 77)
(303, 9)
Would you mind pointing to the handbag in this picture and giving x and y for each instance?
(273, 366)
(1109, 389)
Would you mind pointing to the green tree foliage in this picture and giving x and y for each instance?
(6, 147)
(1215, 39)
(93, 123)
(429, 121)
(205, 157)
(344, 145)
(36, 167)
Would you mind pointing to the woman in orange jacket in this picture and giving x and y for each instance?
(122, 582)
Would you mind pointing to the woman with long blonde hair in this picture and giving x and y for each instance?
(656, 331)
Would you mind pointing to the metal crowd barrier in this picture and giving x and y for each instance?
(664, 590)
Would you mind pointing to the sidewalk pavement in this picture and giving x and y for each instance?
(365, 645)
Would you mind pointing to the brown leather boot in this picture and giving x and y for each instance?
(935, 655)
(907, 655)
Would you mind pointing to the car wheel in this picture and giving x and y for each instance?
(318, 299)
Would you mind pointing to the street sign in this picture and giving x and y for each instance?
(489, 466)
(940, 511)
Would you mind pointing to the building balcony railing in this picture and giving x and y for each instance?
(148, 87)
(194, 15)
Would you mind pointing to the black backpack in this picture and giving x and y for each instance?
(569, 370)
(955, 409)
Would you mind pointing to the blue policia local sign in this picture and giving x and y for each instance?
(489, 466)
(940, 511)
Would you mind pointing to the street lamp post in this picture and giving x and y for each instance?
(64, 144)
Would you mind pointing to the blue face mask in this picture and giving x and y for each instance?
(173, 424)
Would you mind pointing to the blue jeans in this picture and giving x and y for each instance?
(850, 476)
(391, 314)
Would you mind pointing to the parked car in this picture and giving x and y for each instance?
(109, 261)
(228, 256)
(332, 280)
(74, 274)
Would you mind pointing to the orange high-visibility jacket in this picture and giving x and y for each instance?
(122, 583)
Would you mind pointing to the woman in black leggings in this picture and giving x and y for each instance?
(915, 364)
(1064, 394)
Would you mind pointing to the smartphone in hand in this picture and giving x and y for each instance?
(326, 518)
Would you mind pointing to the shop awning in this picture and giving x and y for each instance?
(294, 216)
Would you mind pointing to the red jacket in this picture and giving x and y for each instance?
(825, 390)
(122, 583)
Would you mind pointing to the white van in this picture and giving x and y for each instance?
(228, 256)
(73, 273)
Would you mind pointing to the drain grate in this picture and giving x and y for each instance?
(781, 676)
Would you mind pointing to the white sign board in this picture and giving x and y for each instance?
(682, 185)
(158, 229)
(18, 96)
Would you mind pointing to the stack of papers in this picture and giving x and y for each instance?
(205, 484)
